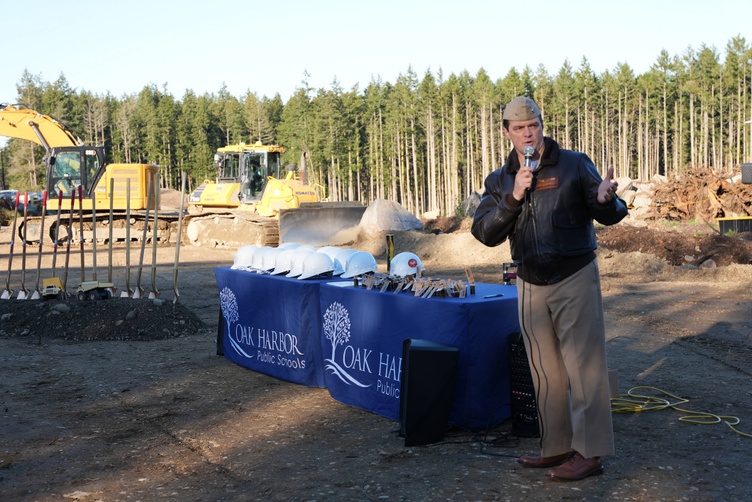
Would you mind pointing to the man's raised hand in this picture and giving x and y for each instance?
(607, 188)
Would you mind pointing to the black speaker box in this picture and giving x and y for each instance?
(429, 372)
(747, 173)
(524, 409)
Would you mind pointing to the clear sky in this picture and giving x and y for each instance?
(266, 47)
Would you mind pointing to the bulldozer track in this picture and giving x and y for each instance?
(230, 229)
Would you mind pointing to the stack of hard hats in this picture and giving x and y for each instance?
(359, 263)
(405, 264)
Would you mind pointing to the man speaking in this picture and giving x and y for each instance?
(544, 200)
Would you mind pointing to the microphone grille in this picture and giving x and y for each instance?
(528, 151)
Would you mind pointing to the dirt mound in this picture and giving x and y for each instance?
(112, 319)
(446, 224)
(170, 199)
(686, 244)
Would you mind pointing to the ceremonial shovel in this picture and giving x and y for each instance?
(23, 294)
(8, 293)
(36, 295)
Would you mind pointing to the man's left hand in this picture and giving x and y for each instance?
(607, 188)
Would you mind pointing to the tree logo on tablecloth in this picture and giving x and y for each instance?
(337, 330)
(229, 305)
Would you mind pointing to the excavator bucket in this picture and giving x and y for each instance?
(321, 223)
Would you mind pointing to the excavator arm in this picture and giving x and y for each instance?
(22, 123)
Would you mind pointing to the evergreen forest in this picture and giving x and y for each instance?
(427, 141)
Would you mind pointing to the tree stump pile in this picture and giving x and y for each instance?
(701, 195)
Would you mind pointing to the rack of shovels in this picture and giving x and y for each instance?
(56, 284)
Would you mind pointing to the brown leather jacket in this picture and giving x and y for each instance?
(551, 232)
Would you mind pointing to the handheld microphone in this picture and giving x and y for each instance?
(528, 152)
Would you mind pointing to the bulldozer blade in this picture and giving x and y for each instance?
(321, 223)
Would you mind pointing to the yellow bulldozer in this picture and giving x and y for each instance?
(252, 201)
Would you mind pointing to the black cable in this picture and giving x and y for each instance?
(529, 208)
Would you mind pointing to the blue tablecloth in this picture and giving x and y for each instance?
(363, 331)
(272, 324)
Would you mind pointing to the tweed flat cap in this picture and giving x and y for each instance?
(521, 108)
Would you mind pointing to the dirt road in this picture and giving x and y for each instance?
(168, 419)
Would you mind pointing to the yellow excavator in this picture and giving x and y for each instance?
(69, 165)
(251, 201)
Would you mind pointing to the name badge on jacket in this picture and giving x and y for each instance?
(547, 183)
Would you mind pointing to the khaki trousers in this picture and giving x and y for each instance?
(564, 333)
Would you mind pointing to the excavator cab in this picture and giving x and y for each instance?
(71, 167)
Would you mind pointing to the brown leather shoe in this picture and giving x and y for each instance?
(538, 461)
(576, 468)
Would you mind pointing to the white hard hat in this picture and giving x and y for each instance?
(340, 260)
(306, 247)
(405, 264)
(288, 245)
(284, 261)
(244, 256)
(258, 257)
(270, 259)
(296, 262)
(360, 262)
(330, 251)
(316, 264)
